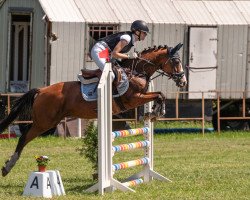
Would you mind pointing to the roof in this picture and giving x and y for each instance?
(190, 12)
(58, 10)
(129, 11)
(194, 12)
(244, 7)
(96, 11)
(162, 11)
(225, 12)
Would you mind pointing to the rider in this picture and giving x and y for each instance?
(116, 46)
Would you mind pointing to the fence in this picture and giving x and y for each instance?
(177, 118)
(106, 151)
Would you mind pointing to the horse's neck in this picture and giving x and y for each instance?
(146, 67)
(148, 63)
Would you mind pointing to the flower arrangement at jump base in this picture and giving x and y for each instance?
(42, 162)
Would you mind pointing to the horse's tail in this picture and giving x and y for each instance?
(22, 108)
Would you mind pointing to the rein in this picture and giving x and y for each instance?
(175, 76)
(173, 57)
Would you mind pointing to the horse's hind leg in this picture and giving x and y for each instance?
(31, 133)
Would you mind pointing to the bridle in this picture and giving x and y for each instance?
(176, 76)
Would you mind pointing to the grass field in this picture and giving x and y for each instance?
(210, 167)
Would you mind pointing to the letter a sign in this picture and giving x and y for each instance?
(38, 185)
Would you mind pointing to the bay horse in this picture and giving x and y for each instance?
(47, 106)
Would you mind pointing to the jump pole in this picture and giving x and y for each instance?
(148, 173)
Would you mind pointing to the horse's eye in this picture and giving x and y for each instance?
(176, 61)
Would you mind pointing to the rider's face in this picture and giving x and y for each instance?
(140, 34)
(143, 35)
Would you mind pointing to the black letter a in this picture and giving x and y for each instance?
(34, 183)
(48, 183)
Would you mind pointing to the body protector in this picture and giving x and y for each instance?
(112, 41)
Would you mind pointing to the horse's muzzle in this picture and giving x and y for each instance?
(181, 84)
(180, 79)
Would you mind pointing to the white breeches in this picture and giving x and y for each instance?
(95, 54)
(95, 51)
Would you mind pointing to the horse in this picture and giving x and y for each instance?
(47, 106)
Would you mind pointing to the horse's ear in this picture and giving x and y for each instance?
(176, 48)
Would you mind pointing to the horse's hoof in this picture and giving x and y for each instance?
(4, 172)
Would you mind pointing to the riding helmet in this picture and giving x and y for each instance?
(139, 25)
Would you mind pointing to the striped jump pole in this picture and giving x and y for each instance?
(135, 145)
(134, 182)
(132, 163)
(130, 132)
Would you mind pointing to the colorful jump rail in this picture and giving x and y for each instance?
(131, 132)
(134, 182)
(132, 163)
(135, 145)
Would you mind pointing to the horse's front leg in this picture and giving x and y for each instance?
(157, 110)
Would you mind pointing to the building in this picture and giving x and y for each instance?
(44, 42)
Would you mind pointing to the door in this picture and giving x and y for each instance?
(202, 61)
(19, 50)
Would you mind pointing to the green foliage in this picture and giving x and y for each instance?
(90, 145)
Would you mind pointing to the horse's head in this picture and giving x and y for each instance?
(168, 60)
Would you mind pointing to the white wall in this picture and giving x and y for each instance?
(67, 53)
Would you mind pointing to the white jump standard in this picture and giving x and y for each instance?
(106, 151)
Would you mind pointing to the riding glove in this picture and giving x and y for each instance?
(134, 55)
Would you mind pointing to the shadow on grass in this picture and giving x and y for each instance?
(80, 185)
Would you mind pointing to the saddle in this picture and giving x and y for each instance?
(90, 80)
(90, 76)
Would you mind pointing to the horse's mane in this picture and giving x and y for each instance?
(155, 48)
(129, 62)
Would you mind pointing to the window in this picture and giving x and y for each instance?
(97, 31)
(19, 70)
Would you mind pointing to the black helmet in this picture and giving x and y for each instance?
(139, 25)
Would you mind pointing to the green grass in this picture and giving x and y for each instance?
(182, 124)
(176, 124)
(210, 167)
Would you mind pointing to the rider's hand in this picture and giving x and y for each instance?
(133, 56)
